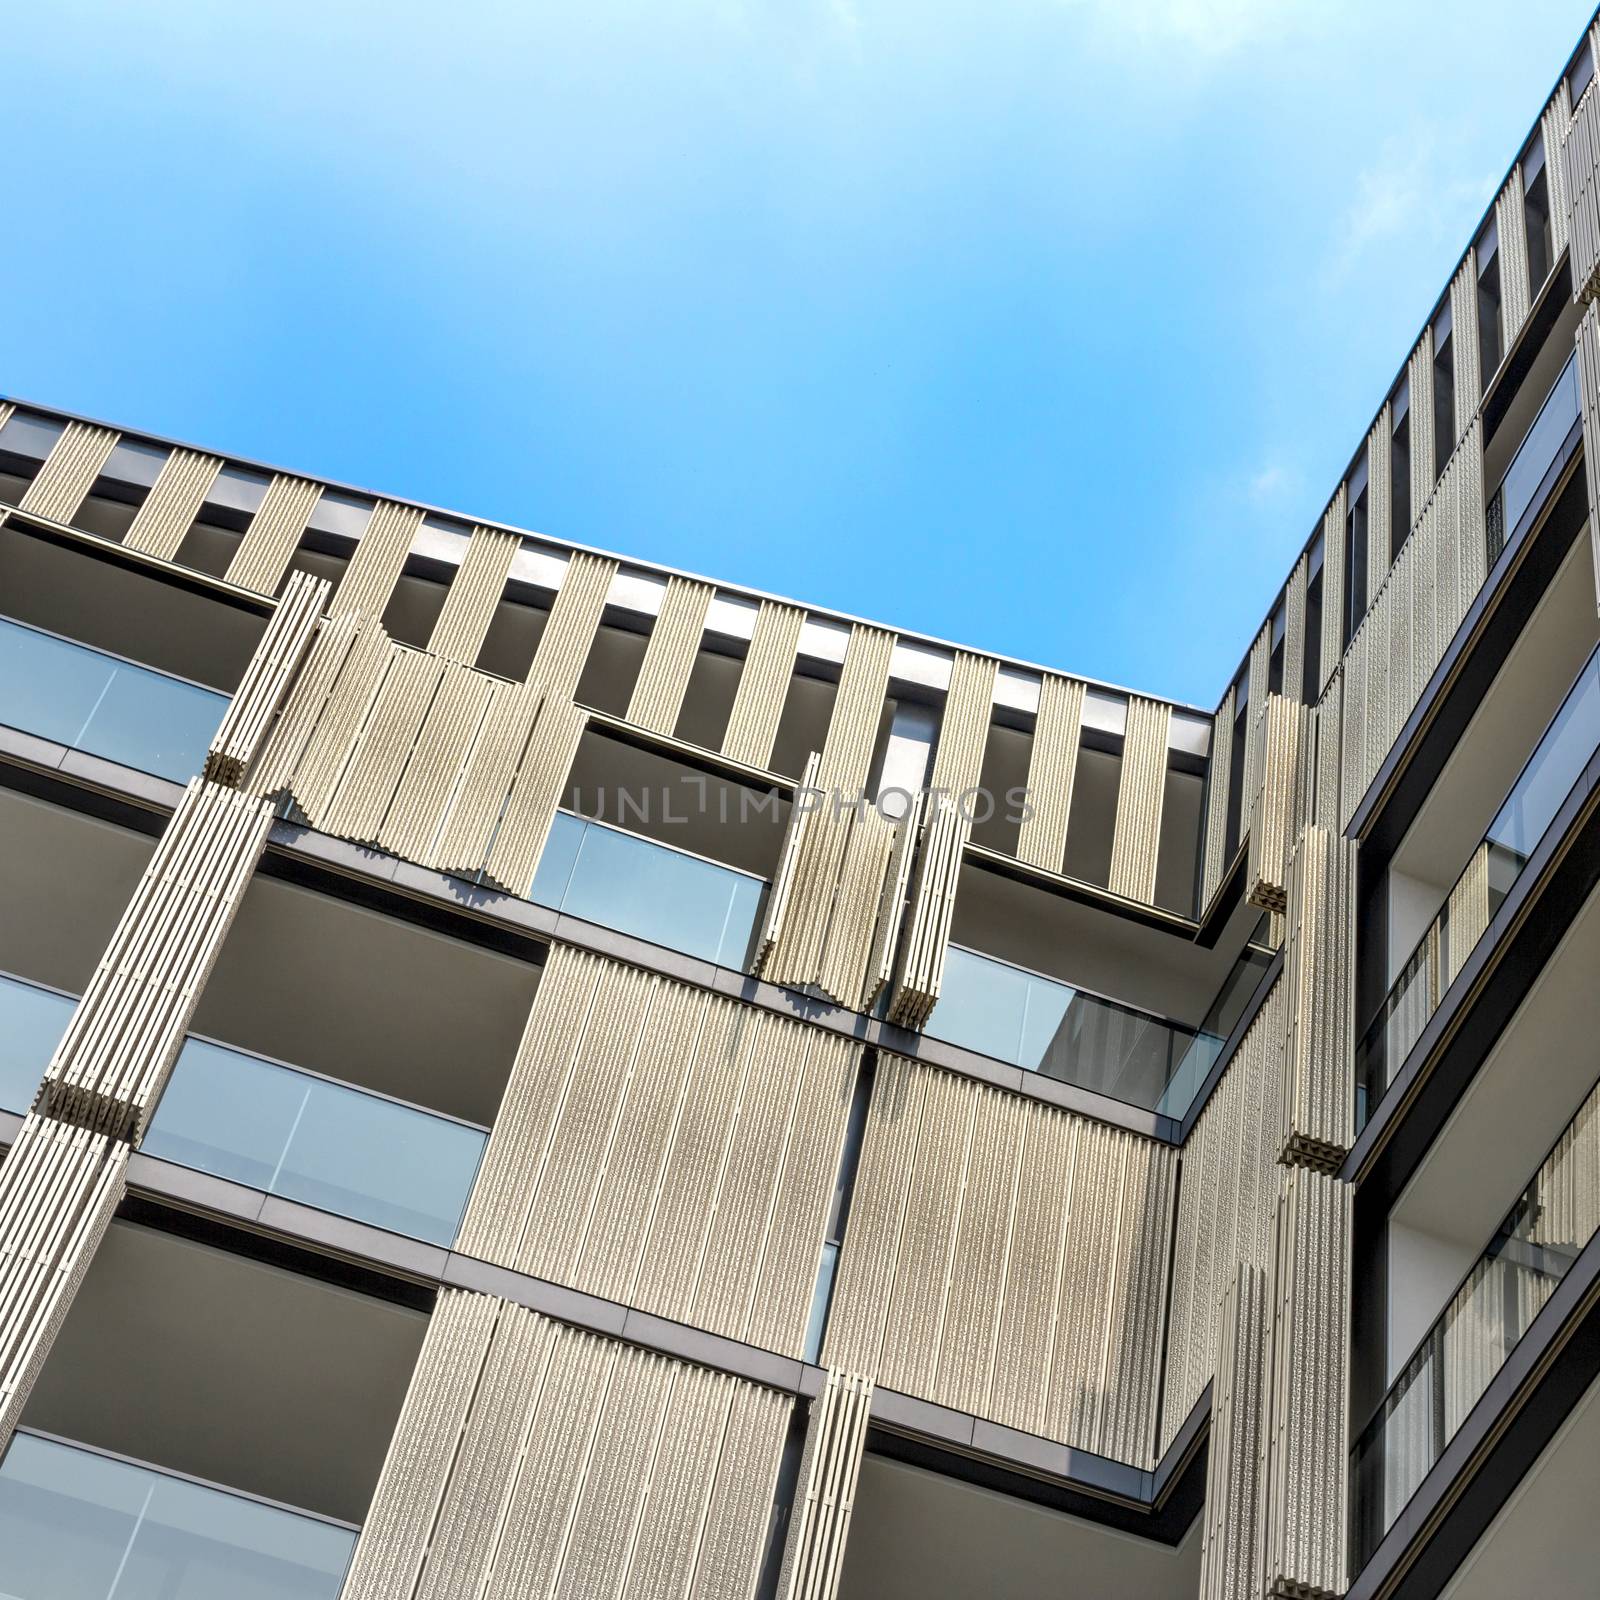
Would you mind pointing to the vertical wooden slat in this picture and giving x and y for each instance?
(69, 471)
(173, 503)
(274, 534)
(474, 593)
(574, 619)
(1052, 767)
(669, 656)
(380, 554)
(1136, 836)
(964, 728)
(857, 710)
(763, 684)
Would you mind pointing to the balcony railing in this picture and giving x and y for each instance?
(1538, 449)
(653, 891)
(77, 1523)
(1043, 1025)
(103, 705)
(1518, 1270)
(273, 1127)
(1536, 797)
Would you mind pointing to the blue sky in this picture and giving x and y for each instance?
(1042, 325)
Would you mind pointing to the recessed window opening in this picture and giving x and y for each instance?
(1311, 682)
(1241, 724)
(1536, 215)
(1490, 347)
(709, 695)
(1355, 550)
(1093, 818)
(115, 496)
(1581, 73)
(907, 735)
(416, 600)
(807, 710)
(1444, 393)
(1400, 469)
(214, 536)
(515, 630)
(1007, 756)
(25, 441)
(1275, 663)
(1182, 828)
(614, 660)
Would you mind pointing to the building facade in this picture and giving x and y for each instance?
(524, 1073)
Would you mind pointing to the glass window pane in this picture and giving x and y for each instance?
(31, 1024)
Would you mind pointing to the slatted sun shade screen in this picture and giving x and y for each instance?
(857, 710)
(265, 684)
(667, 1148)
(535, 1458)
(836, 1439)
(380, 554)
(274, 534)
(1052, 766)
(669, 655)
(113, 1060)
(473, 595)
(1380, 464)
(945, 833)
(1007, 1259)
(1467, 364)
(173, 503)
(1294, 628)
(763, 684)
(59, 1186)
(574, 620)
(1219, 771)
(1516, 293)
(964, 727)
(76, 459)
(1553, 126)
(1274, 809)
(1136, 832)
(1580, 166)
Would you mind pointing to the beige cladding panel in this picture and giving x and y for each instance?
(954, 1252)
(1424, 470)
(1468, 914)
(669, 655)
(531, 1457)
(1226, 1206)
(1228, 1550)
(69, 471)
(1219, 770)
(763, 684)
(1379, 508)
(267, 677)
(1305, 1408)
(59, 1187)
(1334, 532)
(274, 534)
(1294, 628)
(1553, 127)
(535, 795)
(1588, 342)
(112, 1063)
(380, 554)
(473, 595)
(1274, 806)
(931, 912)
(665, 1147)
(173, 503)
(1516, 293)
(1052, 766)
(836, 1438)
(574, 619)
(1580, 171)
(1136, 835)
(1468, 365)
(964, 727)
(857, 710)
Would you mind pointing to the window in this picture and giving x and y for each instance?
(25, 441)
(708, 698)
(1444, 392)
(1094, 810)
(1399, 467)
(1536, 215)
(1355, 550)
(1580, 73)
(214, 535)
(1182, 824)
(807, 710)
(1007, 755)
(1241, 724)
(1490, 346)
(1275, 664)
(614, 660)
(514, 631)
(1311, 684)
(115, 496)
(906, 739)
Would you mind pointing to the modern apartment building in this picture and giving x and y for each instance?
(524, 1073)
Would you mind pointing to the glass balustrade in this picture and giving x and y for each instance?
(310, 1139)
(76, 1524)
(669, 897)
(103, 705)
(1541, 788)
(32, 1021)
(1538, 449)
(1517, 1272)
(1049, 1027)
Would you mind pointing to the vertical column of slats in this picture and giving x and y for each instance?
(1588, 341)
(59, 1187)
(892, 903)
(69, 471)
(112, 1062)
(932, 908)
(1468, 360)
(474, 593)
(1218, 770)
(1294, 629)
(1052, 766)
(1580, 163)
(574, 619)
(535, 794)
(1007, 1258)
(1516, 293)
(1255, 730)
(775, 921)
(814, 1561)
(1419, 433)
(489, 768)
(1334, 530)
(380, 554)
(669, 655)
(857, 710)
(1468, 914)
(1379, 508)
(1228, 1552)
(1227, 1206)
(1306, 1456)
(1318, 1091)
(532, 1458)
(1553, 125)
(274, 534)
(964, 728)
(265, 684)
(862, 916)
(1274, 807)
(173, 503)
(1136, 832)
(763, 684)
(7, 411)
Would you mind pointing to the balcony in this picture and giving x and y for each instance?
(652, 891)
(81, 1522)
(103, 705)
(1535, 798)
(1490, 1311)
